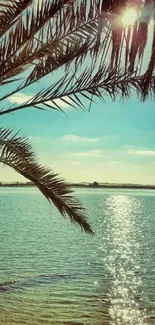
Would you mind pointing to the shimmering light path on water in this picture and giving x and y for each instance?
(51, 273)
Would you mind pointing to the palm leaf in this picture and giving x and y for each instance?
(47, 32)
(17, 152)
(102, 83)
(9, 13)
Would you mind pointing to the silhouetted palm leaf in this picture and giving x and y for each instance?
(41, 37)
(17, 152)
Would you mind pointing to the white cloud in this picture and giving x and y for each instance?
(72, 137)
(77, 162)
(129, 146)
(142, 152)
(89, 153)
(72, 162)
(21, 98)
(98, 164)
(36, 138)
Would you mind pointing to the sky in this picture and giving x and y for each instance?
(114, 142)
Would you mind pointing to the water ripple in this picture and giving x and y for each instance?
(50, 273)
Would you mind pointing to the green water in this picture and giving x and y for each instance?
(51, 273)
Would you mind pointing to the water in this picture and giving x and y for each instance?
(51, 273)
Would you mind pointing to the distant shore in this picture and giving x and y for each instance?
(86, 185)
(117, 186)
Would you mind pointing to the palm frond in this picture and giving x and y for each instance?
(100, 84)
(64, 28)
(9, 13)
(56, 33)
(17, 152)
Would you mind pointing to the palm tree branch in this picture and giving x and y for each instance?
(50, 63)
(36, 48)
(111, 83)
(17, 152)
(76, 29)
(23, 32)
(11, 13)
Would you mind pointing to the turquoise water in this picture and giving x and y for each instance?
(51, 273)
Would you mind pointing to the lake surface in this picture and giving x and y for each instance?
(52, 273)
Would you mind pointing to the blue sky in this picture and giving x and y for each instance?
(114, 142)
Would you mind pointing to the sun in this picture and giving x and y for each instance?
(129, 17)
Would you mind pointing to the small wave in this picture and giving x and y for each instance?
(6, 283)
(5, 286)
(31, 280)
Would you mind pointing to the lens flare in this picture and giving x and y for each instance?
(129, 17)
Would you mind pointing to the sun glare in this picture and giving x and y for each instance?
(129, 17)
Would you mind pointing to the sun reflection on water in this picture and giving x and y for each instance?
(122, 260)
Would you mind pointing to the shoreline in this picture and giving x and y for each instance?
(99, 186)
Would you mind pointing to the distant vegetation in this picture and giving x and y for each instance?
(16, 184)
(95, 185)
(113, 185)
